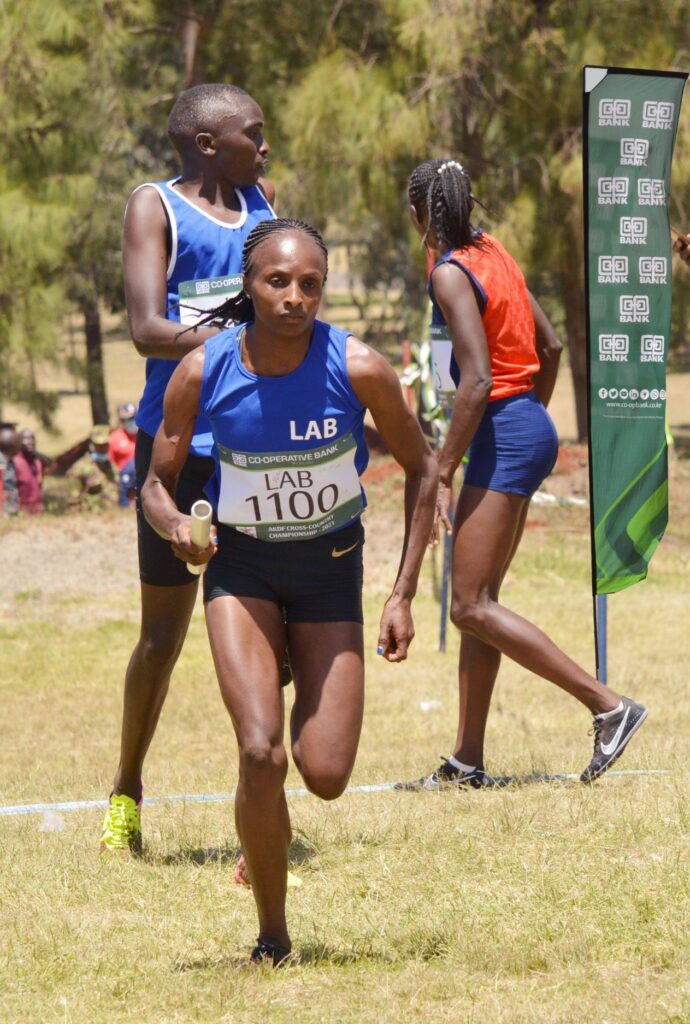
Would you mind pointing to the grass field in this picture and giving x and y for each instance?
(549, 902)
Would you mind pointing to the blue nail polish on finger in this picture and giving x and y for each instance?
(379, 650)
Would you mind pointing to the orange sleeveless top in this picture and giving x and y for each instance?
(506, 314)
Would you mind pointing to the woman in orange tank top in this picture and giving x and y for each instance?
(498, 369)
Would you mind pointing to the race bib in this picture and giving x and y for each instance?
(441, 353)
(278, 496)
(197, 298)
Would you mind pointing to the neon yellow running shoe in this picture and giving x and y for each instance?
(121, 825)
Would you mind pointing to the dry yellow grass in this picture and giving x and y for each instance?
(549, 902)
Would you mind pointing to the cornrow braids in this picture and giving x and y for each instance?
(444, 189)
(240, 308)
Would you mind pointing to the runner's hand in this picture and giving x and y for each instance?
(184, 547)
(442, 514)
(396, 630)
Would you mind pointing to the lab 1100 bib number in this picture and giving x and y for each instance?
(298, 502)
(294, 495)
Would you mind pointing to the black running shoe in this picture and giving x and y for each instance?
(611, 737)
(447, 776)
(267, 952)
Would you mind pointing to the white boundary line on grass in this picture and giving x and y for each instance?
(220, 798)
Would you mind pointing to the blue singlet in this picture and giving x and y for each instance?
(289, 450)
(204, 253)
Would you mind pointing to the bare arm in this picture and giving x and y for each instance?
(170, 450)
(145, 262)
(456, 297)
(549, 351)
(378, 388)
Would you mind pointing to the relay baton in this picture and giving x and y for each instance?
(202, 513)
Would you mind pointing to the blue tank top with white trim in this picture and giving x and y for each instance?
(204, 269)
(289, 450)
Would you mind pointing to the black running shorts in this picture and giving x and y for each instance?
(317, 580)
(157, 563)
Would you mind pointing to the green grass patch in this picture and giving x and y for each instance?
(543, 902)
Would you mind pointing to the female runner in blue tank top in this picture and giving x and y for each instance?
(285, 397)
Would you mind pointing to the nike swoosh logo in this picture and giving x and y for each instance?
(608, 748)
(345, 551)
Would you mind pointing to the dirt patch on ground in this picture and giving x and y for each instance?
(85, 560)
(60, 558)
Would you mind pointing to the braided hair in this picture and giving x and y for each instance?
(240, 308)
(444, 189)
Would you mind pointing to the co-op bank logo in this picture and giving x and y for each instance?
(612, 191)
(653, 269)
(633, 309)
(614, 113)
(634, 152)
(651, 192)
(633, 231)
(612, 270)
(658, 114)
(614, 348)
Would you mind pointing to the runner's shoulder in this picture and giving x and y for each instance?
(364, 362)
(145, 204)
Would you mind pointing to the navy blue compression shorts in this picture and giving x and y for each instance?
(515, 446)
(317, 580)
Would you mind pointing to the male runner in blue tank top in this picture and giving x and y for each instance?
(182, 254)
(285, 395)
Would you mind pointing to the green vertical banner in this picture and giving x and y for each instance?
(630, 120)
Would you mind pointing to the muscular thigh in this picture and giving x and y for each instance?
(328, 664)
(247, 638)
(486, 531)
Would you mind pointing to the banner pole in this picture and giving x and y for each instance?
(602, 638)
(588, 369)
(445, 582)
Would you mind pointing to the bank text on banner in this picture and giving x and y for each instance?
(630, 121)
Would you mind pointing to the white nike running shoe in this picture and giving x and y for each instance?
(611, 736)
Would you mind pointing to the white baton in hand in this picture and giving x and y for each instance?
(202, 513)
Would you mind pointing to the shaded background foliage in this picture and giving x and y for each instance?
(355, 93)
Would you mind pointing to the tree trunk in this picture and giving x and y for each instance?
(190, 30)
(193, 27)
(573, 292)
(95, 377)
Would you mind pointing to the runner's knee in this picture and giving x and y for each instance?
(157, 652)
(324, 781)
(263, 763)
(470, 615)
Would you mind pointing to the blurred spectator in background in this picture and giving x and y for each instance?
(121, 452)
(96, 475)
(123, 438)
(9, 446)
(28, 468)
(682, 246)
(127, 479)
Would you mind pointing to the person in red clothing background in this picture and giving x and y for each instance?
(123, 438)
(28, 470)
(500, 362)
